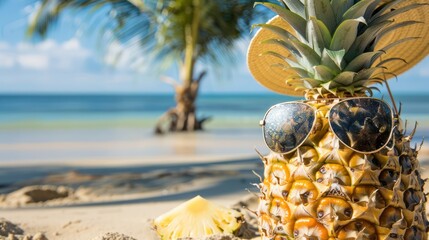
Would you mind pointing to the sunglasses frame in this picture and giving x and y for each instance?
(335, 101)
(262, 123)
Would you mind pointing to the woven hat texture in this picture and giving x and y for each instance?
(262, 66)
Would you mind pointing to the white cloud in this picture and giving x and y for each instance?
(6, 61)
(424, 72)
(127, 56)
(23, 46)
(4, 46)
(46, 46)
(33, 61)
(72, 44)
(47, 55)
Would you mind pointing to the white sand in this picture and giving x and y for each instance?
(88, 222)
(170, 171)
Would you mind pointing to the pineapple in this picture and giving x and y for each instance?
(328, 51)
(197, 218)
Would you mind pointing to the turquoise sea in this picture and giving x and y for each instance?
(75, 111)
(40, 127)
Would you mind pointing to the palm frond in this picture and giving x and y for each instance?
(158, 28)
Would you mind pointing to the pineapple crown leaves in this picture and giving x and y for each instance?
(333, 44)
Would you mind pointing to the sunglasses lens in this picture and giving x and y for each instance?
(363, 124)
(287, 125)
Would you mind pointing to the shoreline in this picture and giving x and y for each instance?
(128, 209)
(120, 183)
(126, 147)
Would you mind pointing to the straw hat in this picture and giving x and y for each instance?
(262, 69)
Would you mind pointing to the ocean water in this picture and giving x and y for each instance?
(67, 127)
(38, 111)
(58, 112)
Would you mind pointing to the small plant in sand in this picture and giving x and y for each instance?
(341, 165)
(197, 218)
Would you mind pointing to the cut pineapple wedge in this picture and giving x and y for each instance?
(197, 218)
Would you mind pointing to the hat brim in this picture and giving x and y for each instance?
(264, 67)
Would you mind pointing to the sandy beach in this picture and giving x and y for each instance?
(120, 184)
(85, 85)
(117, 183)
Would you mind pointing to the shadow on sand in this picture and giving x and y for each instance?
(148, 183)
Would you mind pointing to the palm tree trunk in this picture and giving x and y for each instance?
(183, 116)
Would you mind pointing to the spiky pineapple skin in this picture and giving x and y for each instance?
(324, 190)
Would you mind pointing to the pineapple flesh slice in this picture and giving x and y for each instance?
(197, 218)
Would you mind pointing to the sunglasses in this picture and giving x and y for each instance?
(363, 124)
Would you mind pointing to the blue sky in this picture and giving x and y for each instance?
(69, 62)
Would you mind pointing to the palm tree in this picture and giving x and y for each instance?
(184, 32)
